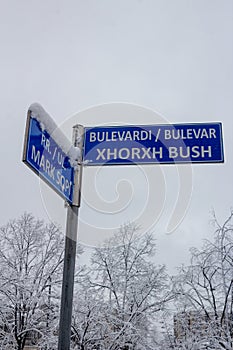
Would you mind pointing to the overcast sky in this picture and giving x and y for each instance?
(173, 57)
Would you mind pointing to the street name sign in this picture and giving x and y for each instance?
(148, 144)
(45, 156)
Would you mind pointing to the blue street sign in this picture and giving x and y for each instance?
(47, 159)
(147, 144)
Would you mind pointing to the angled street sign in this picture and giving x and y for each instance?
(44, 154)
(148, 144)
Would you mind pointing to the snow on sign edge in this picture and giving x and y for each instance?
(48, 124)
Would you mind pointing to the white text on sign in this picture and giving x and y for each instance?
(148, 144)
(51, 161)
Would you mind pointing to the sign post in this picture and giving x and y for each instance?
(59, 163)
(69, 258)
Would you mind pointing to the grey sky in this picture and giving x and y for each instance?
(175, 57)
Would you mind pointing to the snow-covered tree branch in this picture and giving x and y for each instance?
(205, 291)
(126, 290)
(31, 258)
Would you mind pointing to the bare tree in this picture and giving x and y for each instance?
(31, 255)
(205, 290)
(88, 328)
(128, 291)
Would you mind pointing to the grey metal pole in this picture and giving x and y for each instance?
(70, 254)
(68, 280)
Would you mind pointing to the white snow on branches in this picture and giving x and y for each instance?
(48, 124)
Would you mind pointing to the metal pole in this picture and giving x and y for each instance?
(70, 254)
